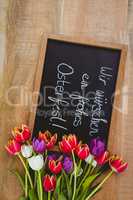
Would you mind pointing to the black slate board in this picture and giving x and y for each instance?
(76, 90)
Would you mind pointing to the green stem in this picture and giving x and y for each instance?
(87, 174)
(74, 163)
(35, 179)
(45, 162)
(26, 169)
(79, 166)
(86, 167)
(100, 185)
(71, 177)
(92, 170)
(26, 183)
(67, 184)
(89, 169)
(49, 195)
(46, 153)
(40, 185)
(96, 170)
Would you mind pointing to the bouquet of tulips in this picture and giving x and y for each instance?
(61, 170)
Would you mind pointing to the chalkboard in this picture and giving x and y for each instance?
(77, 87)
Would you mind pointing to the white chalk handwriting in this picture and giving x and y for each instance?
(63, 71)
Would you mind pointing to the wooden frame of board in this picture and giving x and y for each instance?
(116, 115)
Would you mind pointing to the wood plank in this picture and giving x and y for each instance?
(106, 21)
(3, 25)
(27, 20)
(126, 181)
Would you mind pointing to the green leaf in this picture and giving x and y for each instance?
(69, 189)
(104, 168)
(57, 189)
(20, 178)
(58, 184)
(89, 181)
(32, 195)
(63, 183)
(91, 189)
(44, 195)
(38, 189)
(62, 197)
(22, 198)
(85, 193)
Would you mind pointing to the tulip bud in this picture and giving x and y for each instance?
(68, 143)
(21, 134)
(36, 162)
(82, 151)
(39, 146)
(90, 160)
(97, 147)
(13, 147)
(49, 183)
(117, 165)
(55, 166)
(26, 151)
(52, 157)
(103, 158)
(68, 164)
(49, 139)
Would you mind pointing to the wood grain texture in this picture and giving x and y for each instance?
(126, 182)
(3, 21)
(24, 30)
(104, 20)
(27, 20)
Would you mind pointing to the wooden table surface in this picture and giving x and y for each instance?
(22, 22)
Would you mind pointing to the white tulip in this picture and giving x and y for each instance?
(36, 162)
(80, 172)
(26, 151)
(89, 160)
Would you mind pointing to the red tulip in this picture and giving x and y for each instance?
(117, 165)
(55, 166)
(13, 147)
(68, 143)
(50, 140)
(82, 151)
(49, 183)
(21, 134)
(103, 158)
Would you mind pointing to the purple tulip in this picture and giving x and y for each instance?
(68, 164)
(39, 146)
(97, 146)
(52, 156)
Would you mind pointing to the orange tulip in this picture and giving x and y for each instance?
(49, 139)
